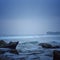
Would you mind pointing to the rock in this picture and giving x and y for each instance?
(56, 55)
(8, 47)
(45, 45)
(12, 45)
(56, 47)
(2, 43)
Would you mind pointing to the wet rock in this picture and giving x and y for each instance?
(2, 43)
(8, 47)
(56, 55)
(56, 47)
(45, 45)
(12, 45)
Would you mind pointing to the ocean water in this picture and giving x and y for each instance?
(38, 38)
(29, 45)
(31, 42)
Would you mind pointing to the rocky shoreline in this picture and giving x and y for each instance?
(47, 51)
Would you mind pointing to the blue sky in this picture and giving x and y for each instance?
(29, 16)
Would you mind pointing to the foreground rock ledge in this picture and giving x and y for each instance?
(56, 55)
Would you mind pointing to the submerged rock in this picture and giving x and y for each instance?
(56, 55)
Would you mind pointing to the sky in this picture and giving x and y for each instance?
(24, 17)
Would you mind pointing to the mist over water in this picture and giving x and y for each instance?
(37, 38)
(29, 17)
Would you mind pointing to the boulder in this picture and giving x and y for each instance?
(12, 45)
(45, 45)
(2, 43)
(8, 47)
(56, 55)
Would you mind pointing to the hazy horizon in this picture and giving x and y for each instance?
(25, 17)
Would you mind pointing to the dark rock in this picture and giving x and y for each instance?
(12, 45)
(2, 43)
(8, 47)
(45, 45)
(56, 55)
(56, 47)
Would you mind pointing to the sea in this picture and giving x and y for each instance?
(29, 38)
(29, 44)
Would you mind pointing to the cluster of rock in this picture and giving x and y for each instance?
(8, 47)
(47, 45)
(11, 48)
(56, 53)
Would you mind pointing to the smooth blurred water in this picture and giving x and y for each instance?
(39, 38)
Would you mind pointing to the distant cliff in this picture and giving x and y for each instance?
(53, 33)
